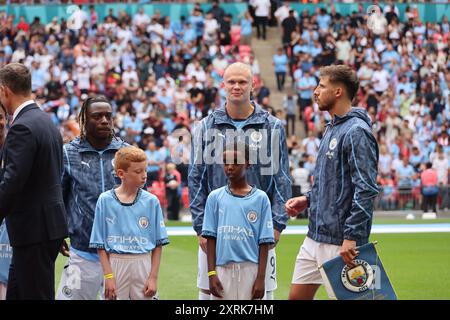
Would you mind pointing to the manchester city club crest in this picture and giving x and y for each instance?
(358, 278)
(256, 136)
(333, 144)
(143, 222)
(252, 216)
(67, 291)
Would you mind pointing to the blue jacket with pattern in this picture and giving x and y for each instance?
(87, 173)
(269, 172)
(344, 189)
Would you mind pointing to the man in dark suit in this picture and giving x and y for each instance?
(30, 189)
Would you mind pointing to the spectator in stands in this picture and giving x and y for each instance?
(430, 188)
(155, 161)
(405, 177)
(441, 165)
(262, 14)
(172, 180)
(305, 88)
(246, 29)
(217, 12)
(288, 26)
(280, 62)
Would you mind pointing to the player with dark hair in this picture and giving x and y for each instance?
(88, 172)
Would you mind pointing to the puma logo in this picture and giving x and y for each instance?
(110, 220)
(86, 164)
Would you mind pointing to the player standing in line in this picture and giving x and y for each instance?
(88, 171)
(345, 184)
(242, 117)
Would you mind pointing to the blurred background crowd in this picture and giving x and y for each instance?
(163, 75)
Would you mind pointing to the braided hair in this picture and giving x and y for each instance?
(82, 116)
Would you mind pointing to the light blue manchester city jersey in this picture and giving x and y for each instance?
(5, 253)
(239, 224)
(133, 228)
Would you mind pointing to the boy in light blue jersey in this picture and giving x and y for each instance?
(238, 227)
(128, 225)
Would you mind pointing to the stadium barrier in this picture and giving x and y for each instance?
(427, 12)
(408, 198)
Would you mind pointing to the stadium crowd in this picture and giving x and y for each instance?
(162, 76)
(404, 77)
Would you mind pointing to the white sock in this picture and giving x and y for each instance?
(269, 295)
(203, 296)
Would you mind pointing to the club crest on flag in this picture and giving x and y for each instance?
(359, 278)
(367, 280)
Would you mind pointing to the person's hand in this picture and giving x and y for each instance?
(258, 289)
(296, 205)
(110, 289)
(215, 286)
(150, 287)
(202, 243)
(64, 249)
(348, 252)
(276, 235)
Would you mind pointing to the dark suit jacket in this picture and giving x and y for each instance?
(30, 180)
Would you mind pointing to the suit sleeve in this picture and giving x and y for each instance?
(65, 179)
(20, 151)
(282, 190)
(197, 179)
(363, 162)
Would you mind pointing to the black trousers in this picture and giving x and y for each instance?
(281, 76)
(261, 24)
(173, 204)
(32, 271)
(429, 201)
(290, 118)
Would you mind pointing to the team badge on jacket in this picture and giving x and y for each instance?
(333, 144)
(256, 136)
(331, 147)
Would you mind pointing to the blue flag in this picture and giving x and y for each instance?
(366, 281)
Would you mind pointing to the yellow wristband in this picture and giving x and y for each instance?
(212, 273)
(109, 276)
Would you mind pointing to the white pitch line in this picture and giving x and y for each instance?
(376, 229)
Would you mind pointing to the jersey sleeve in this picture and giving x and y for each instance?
(266, 235)
(160, 228)
(210, 218)
(97, 240)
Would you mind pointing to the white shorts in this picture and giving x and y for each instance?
(131, 273)
(271, 271)
(81, 279)
(237, 280)
(3, 287)
(313, 254)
